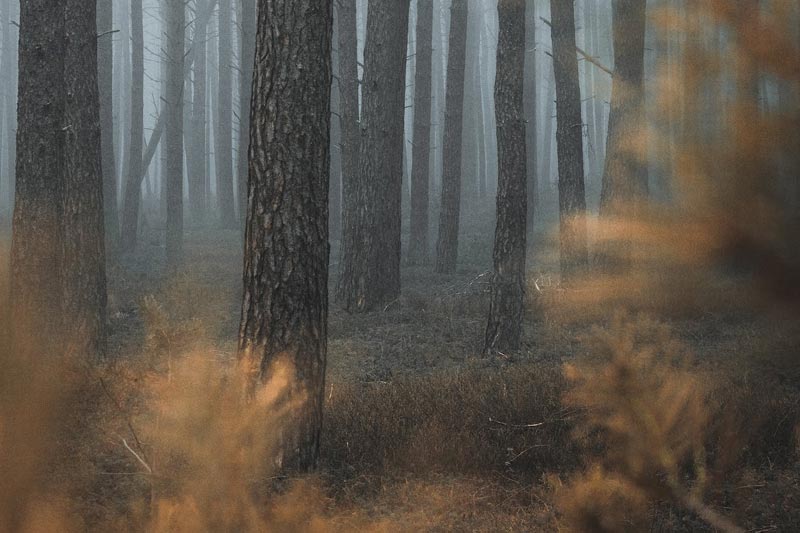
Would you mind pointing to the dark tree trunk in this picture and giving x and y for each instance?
(507, 304)
(173, 129)
(569, 140)
(531, 122)
(247, 54)
(132, 196)
(223, 151)
(450, 212)
(348, 117)
(197, 161)
(83, 262)
(625, 173)
(58, 249)
(420, 162)
(371, 275)
(284, 310)
(105, 60)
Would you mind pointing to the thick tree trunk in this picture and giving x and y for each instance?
(223, 151)
(173, 129)
(105, 60)
(625, 173)
(371, 273)
(247, 51)
(569, 140)
(507, 304)
(284, 310)
(531, 122)
(133, 183)
(450, 212)
(348, 117)
(420, 163)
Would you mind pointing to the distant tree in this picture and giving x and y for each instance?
(531, 120)
(223, 150)
(450, 212)
(173, 128)
(58, 291)
(285, 305)
(421, 151)
(569, 140)
(507, 302)
(105, 65)
(197, 146)
(247, 50)
(625, 173)
(133, 182)
(370, 272)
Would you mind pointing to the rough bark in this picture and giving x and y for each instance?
(348, 117)
(105, 60)
(507, 303)
(132, 196)
(173, 129)
(450, 211)
(569, 140)
(421, 152)
(247, 55)
(223, 148)
(625, 173)
(284, 310)
(371, 274)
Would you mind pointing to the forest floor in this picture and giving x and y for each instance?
(422, 432)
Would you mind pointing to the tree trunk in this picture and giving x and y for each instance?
(173, 129)
(285, 307)
(223, 150)
(370, 274)
(447, 244)
(247, 54)
(531, 122)
(420, 163)
(569, 140)
(625, 173)
(197, 162)
(105, 60)
(133, 184)
(507, 304)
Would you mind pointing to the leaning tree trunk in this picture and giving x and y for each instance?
(370, 271)
(450, 212)
(223, 151)
(133, 183)
(420, 163)
(173, 129)
(348, 117)
(247, 49)
(105, 60)
(285, 306)
(569, 141)
(507, 304)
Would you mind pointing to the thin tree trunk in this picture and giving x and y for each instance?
(507, 304)
(447, 244)
(531, 122)
(173, 130)
(197, 162)
(569, 140)
(133, 183)
(105, 59)
(285, 307)
(370, 274)
(420, 164)
(223, 151)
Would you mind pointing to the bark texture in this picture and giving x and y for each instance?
(173, 129)
(507, 303)
(569, 140)
(421, 152)
(284, 310)
(371, 274)
(450, 212)
(247, 49)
